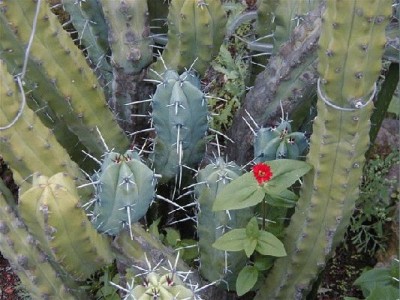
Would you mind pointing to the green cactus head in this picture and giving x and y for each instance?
(125, 188)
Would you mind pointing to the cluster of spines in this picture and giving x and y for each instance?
(125, 188)
(51, 211)
(196, 29)
(279, 142)
(180, 120)
(216, 265)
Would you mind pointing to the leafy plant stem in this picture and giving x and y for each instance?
(264, 212)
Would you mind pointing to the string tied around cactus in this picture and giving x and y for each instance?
(19, 78)
(358, 104)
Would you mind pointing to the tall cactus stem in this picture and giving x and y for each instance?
(353, 32)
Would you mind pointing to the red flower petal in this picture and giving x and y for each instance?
(262, 172)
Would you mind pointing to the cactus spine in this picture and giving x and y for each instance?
(353, 34)
(195, 32)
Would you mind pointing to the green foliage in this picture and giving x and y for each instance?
(379, 283)
(375, 205)
(247, 278)
(245, 191)
(234, 73)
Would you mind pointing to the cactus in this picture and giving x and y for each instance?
(81, 104)
(289, 81)
(278, 142)
(28, 144)
(265, 16)
(289, 14)
(180, 120)
(28, 261)
(128, 35)
(12, 54)
(195, 32)
(125, 189)
(88, 20)
(338, 144)
(166, 286)
(217, 265)
(51, 211)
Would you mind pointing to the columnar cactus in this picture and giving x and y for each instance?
(52, 213)
(180, 121)
(218, 265)
(196, 29)
(28, 144)
(80, 101)
(128, 35)
(36, 273)
(125, 188)
(351, 45)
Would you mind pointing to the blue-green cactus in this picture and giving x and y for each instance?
(180, 120)
(125, 188)
(279, 142)
(216, 264)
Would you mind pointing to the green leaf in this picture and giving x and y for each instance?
(242, 192)
(374, 278)
(172, 236)
(246, 279)
(268, 244)
(285, 198)
(263, 263)
(384, 293)
(252, 230)
(285, 172)
(153, 228)
(249, 246)
(233, 240)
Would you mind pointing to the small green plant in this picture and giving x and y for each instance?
(267, 184)
(374, 205)
(379, 283)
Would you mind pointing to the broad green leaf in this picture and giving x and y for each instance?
(249, 246)
(285, 172)
(285, 198)
(374, 278)
(263, 263)
(384, 293)
(242, 192)
(233, 240)
(252, 230)
(246, 279)
(268, 244)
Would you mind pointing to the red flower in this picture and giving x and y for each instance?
(262, 172)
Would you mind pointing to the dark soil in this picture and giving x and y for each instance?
(8, 281)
